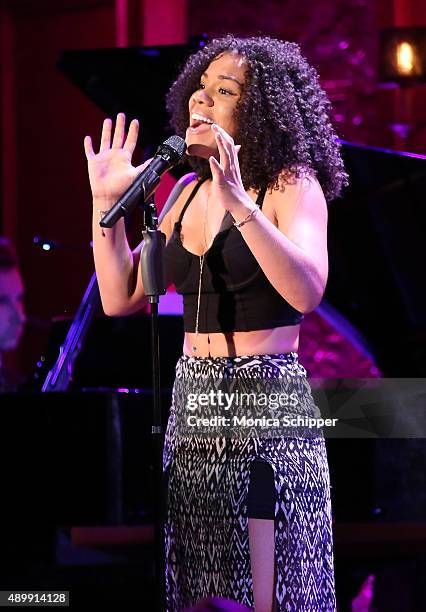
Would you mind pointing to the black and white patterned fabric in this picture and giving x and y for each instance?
(206, 531)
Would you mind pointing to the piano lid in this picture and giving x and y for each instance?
(133, 80)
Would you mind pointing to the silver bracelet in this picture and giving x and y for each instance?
(251, 214)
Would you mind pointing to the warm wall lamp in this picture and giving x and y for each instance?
(402, 55)
(402, 64)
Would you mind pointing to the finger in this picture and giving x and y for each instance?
(216, 169)
(106, 135)
(224, 153)
(233, 151)
(88, 147)
(132, 136)
(120, 124)
(227, 137)
(230, 147)
(236, 161)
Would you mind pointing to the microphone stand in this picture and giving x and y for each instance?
(168, 155)
(153, 284)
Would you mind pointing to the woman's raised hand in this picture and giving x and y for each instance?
(110, 170)
(227, 186)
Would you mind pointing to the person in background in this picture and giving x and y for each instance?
(12, 312)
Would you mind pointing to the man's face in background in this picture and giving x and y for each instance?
(12, 315)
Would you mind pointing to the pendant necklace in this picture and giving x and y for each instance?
(201, 257)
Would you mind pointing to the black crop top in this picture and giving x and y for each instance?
(235, 293)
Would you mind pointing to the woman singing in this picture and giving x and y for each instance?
(249, 517)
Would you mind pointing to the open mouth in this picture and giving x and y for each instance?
(199, 122)
(197, 127)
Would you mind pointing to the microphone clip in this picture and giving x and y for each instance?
(150, 215)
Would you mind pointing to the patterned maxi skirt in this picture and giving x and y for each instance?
(208, 474)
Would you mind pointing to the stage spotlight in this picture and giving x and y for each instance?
(44, 244)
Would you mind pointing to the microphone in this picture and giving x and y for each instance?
(168, 155)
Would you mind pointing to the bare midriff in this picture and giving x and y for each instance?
(239, 343)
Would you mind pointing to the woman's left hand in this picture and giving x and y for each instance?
(227, 187)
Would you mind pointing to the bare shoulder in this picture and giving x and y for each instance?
(296, 197)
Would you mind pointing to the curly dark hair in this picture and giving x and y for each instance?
(283, 104)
